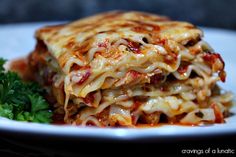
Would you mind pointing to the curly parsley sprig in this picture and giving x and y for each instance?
(20, 100)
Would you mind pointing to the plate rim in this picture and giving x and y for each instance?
(110, 133)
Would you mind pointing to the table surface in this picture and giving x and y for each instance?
(10, 147)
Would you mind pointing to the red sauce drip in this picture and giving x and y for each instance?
(84, 78)
(183, 69)
(218, 114)
(104, 44)
(75, 67)
(89, 99)
(134, 74)
(157, 78)
(20, 66)
(222, 75)
(135, 47)
(136, 105)
(212, 57)
(86, 67)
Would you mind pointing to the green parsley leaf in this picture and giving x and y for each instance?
(20, 100)
(6, 111)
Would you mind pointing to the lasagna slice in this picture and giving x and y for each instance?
(130, 68)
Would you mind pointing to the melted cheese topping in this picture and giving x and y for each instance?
(78, 39)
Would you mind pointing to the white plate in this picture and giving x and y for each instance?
(17, 41)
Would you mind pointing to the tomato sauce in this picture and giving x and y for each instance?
(84, 78)
(134, 47)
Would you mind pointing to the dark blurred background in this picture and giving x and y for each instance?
(213, 13)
